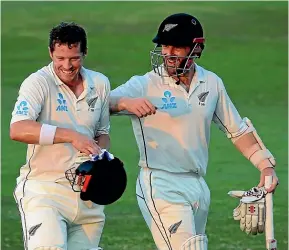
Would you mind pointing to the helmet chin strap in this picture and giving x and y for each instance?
(183, 65)
(178, 81)
(181, 72)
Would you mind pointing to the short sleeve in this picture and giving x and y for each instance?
(226, 116)
(134, 88)
(30, 100)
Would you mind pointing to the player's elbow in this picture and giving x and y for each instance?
(26, 131)
(15, 132)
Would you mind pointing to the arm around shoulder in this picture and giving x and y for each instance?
(118, 103)
(121, 96)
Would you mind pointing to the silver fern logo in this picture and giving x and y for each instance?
(202, 98)
(33, 229)
(91, 104)
(173, 228)
(168, 27)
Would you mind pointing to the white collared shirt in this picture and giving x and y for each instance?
(44, 98)
(177, 137)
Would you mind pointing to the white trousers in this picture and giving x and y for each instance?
(174, 206)
(54, 217)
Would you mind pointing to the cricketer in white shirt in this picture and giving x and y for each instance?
(52, 214)
(173, 144)
(177, 138)
(174, 106)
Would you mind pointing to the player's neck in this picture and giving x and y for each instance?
(187, 79)
(76, 86)
(75, 82)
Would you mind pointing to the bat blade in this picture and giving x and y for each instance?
(271, 242)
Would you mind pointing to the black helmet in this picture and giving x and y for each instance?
(179, 30)
(102, 181)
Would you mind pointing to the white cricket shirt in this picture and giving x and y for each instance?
(176, 138)
(43, 97)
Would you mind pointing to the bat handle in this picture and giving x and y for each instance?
(271, 243)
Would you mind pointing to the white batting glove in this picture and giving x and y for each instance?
(251, 210)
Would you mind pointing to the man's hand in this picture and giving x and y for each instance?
(85, 144)
(251, 210)
(141, 107)
(267, 172)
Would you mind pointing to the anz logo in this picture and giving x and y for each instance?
(169, 101)
(22, 108)
(62, 103)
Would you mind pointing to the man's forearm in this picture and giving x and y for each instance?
(28, 131)
(116, 104)
(103, 141)
(245, 142)
(248, 145)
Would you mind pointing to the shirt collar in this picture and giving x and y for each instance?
(200, 76)
(59, 82)
(88, 83)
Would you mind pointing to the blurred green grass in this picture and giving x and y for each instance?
(246, 45)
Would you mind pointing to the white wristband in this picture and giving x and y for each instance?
(47, 134)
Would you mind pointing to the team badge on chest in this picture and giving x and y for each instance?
(202, 98)
(169, 101)
(91, 103)
(62, 106)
